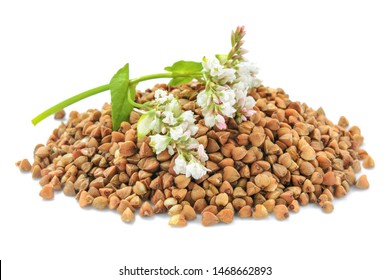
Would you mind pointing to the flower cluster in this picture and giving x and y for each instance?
(228, 79)
(174, 130)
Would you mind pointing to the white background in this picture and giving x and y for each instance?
(333, 54)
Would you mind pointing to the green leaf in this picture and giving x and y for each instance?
(180, 81)
(144, 124)
(120, 106)
(185, 67)
(185, 71)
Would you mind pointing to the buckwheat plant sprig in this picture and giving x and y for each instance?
(227, 79)
(173, 129)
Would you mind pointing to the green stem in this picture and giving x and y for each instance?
(164, 75)
(135, 104)
(68, 102)
(88, 93)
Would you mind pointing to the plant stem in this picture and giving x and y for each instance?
(132, 83)
(164, 75)
(68, 102)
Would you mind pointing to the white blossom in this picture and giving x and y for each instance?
(180, 165)
(226, 75)
(209, 118)
(159, 142)
(193, 128)
(247, 72)
(202, 154)
(218, 72)
(160, 95)
(249, 103)
(240, 90)
(196, 170)
(176, 132)
(220, 122)
(169, 118)
(211, 65)
(173, 106)
(170, 150)
(188, 116)
(193, 144)
(190, 127)
(156, 124)
(227, 95)
(203, 99)
(227, 110)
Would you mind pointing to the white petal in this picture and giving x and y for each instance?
(209, 119)
(176, 132)
(180, 165)
(169, 118)
(159, 142)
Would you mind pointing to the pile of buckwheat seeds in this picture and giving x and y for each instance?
(286, 156)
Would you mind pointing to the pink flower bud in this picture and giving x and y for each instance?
(220, 122)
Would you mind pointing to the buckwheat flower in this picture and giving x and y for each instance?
(160, 95)
(209, 118)
(247, 72)
(159, 142)
(195, 169)
(170, 150)
(218, 72)
(169, 118)
(227, 95)
(211, 65)
(187, 116)
(220, 122)
(156, 124)
(203, 99)
(180, 165)
(202, 154)
(240, 90)
(173, 106)
(193, 128)
(192, 144)
(249, 104)
(189, 128)
(176, 132)
(227, 110)
(226, 75)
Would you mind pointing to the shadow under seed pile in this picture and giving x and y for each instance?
(286, 156)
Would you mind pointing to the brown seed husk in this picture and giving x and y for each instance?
(284, 156)
(209, 219)
(178, 220)
(343, 121)
(59, 115)
(260, 212)
(222, 199)
(85, 199)
(47, 192)
(327, 207)
(25, 165)
(368, 162)
(226, 216)
(188, 212)
(281, 212)
(362, 182)
(230, 174)
(36, 172)
(146, 210)
(245, 212)
(128, 216)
